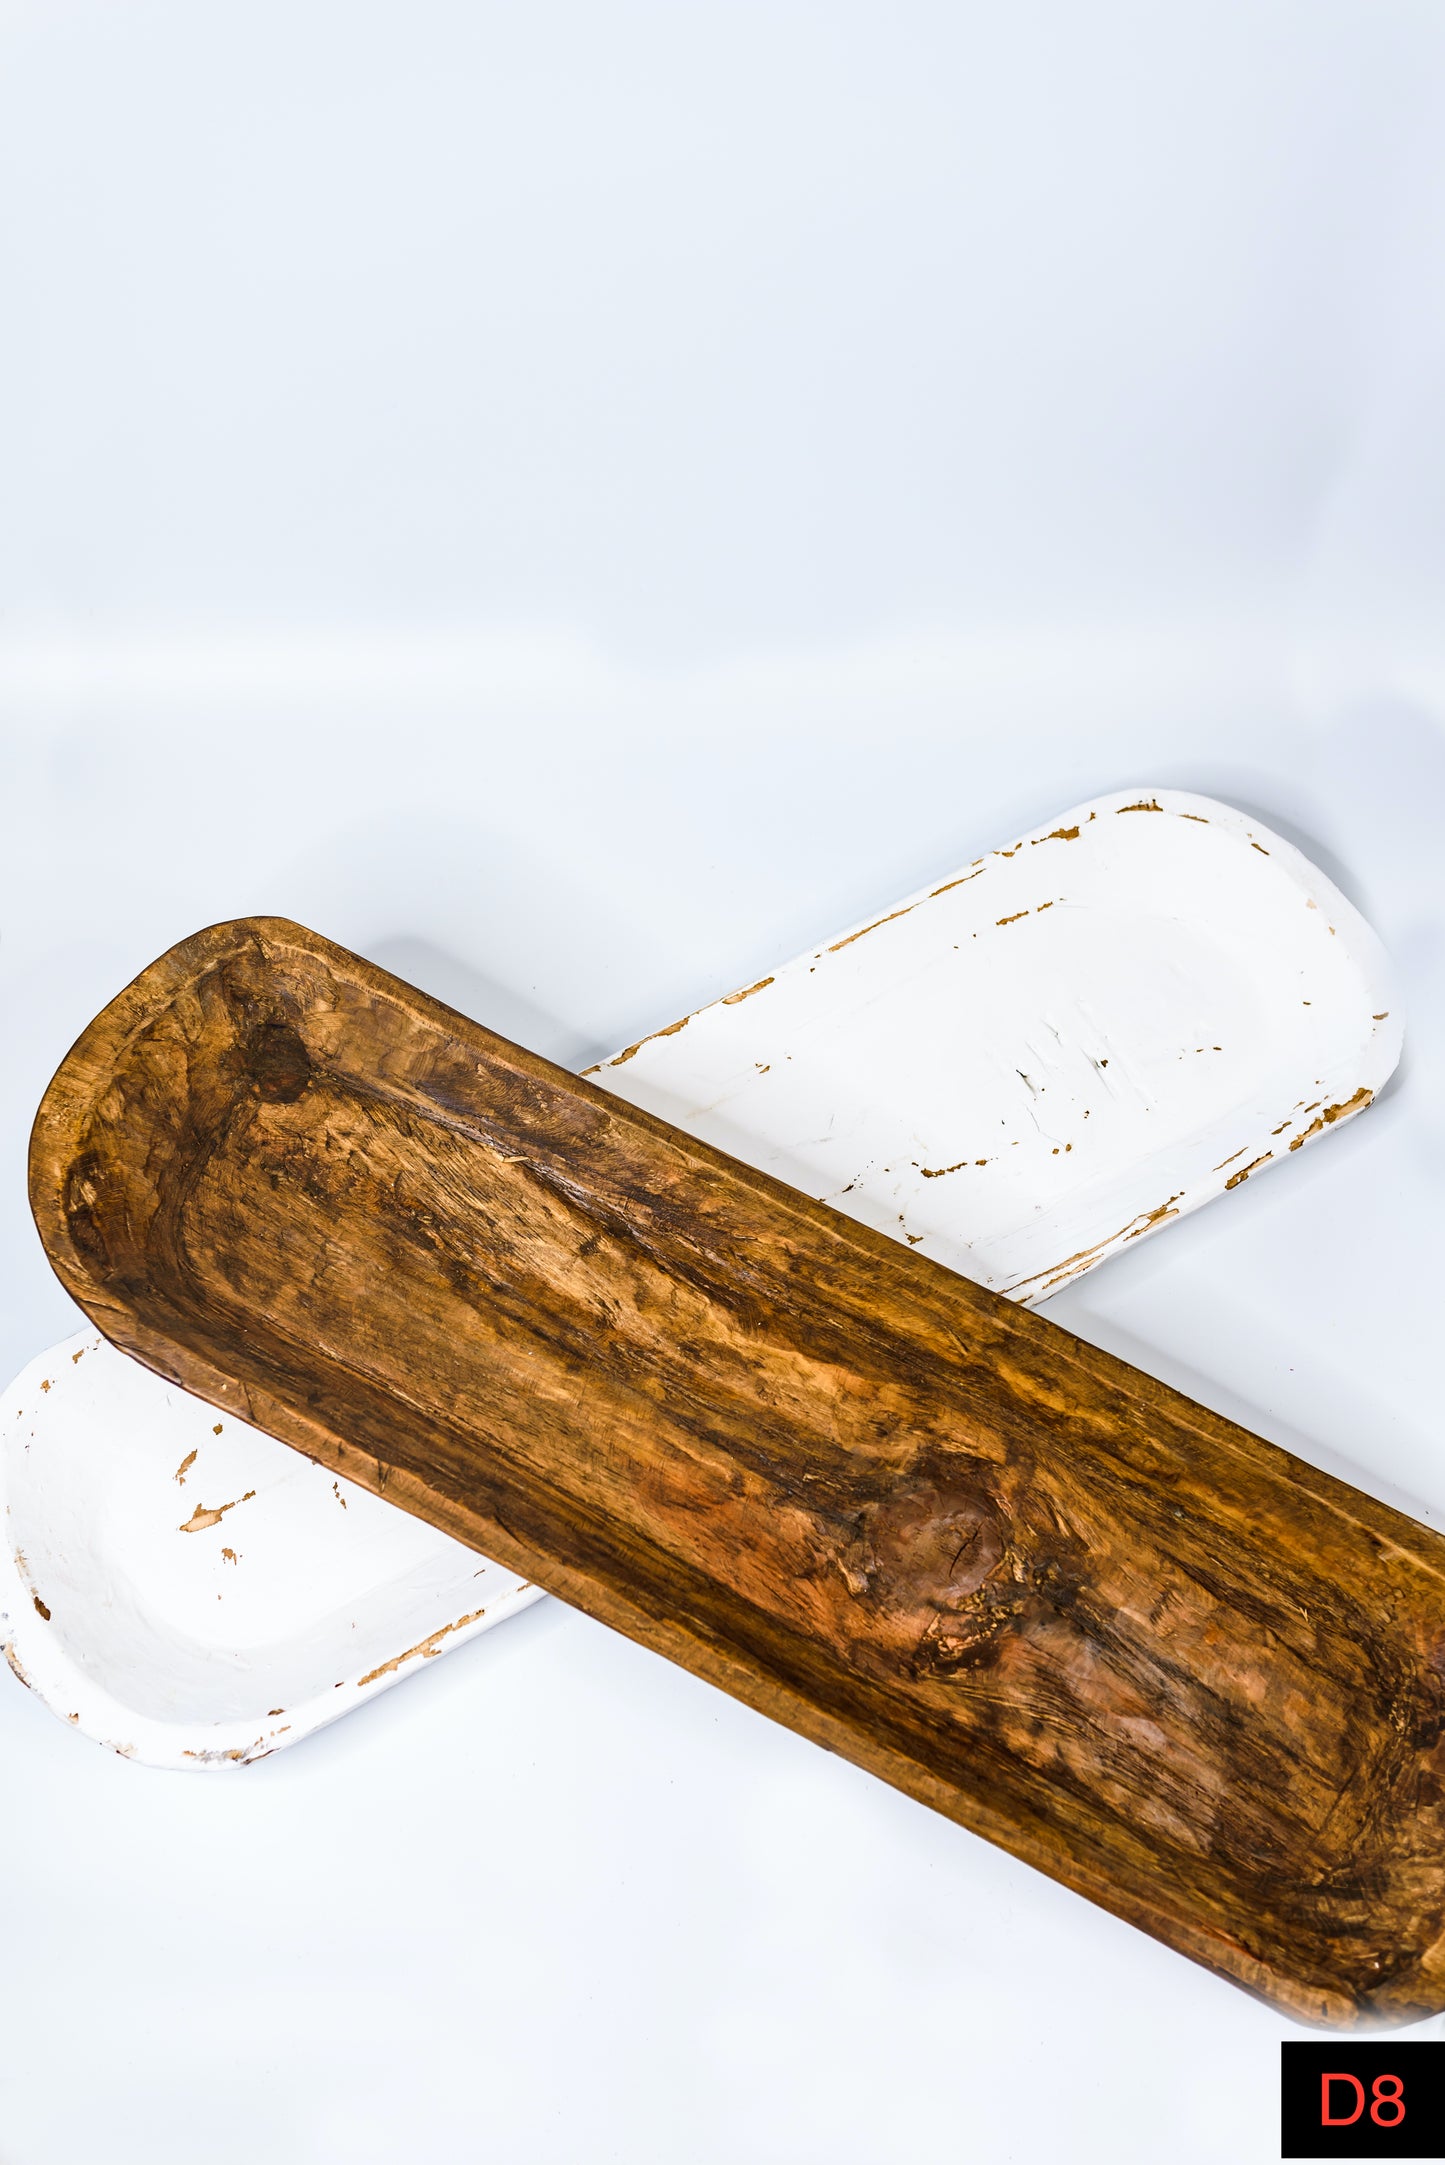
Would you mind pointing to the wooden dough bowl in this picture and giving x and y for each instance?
(1174, 1667)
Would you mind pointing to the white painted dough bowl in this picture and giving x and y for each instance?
(1043, 1057)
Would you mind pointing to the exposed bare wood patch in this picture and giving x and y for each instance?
(630, 1052)
(425, 1647)
(864, 930)
(1355, 1104)
(201, 1518)
(949, 885)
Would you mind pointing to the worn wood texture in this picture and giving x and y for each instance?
(1172, 1666)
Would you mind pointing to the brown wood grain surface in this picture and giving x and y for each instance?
(1172, 1666)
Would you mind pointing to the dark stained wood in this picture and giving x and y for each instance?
(1170, 1665)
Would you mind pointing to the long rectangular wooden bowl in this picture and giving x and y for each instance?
(1172, 1666)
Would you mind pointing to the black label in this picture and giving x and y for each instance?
(1363, 2100)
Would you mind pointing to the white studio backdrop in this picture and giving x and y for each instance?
(575, 502)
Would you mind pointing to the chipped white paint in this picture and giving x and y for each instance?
(1034, 1061)
(191, 1592)
(1046, 1055)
